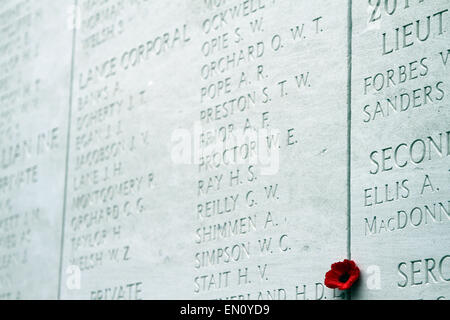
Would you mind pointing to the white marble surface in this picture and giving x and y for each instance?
(206, 149)
(35, 59)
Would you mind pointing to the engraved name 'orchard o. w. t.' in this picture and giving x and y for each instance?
(223, 149)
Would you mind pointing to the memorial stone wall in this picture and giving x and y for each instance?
(223, 149)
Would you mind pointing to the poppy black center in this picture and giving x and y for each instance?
(343, 278)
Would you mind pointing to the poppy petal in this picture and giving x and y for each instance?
(346, 268)
(332, 283)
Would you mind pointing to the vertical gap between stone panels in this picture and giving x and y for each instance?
(74, 27)
(349, 127)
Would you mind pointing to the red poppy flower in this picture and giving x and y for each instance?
(342, 275)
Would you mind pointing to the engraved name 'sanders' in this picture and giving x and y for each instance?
(425, 93)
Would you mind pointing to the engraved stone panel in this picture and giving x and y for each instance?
(205, 158)
(400, 148)
(286, 221)
(34, 104)
(126, 220)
